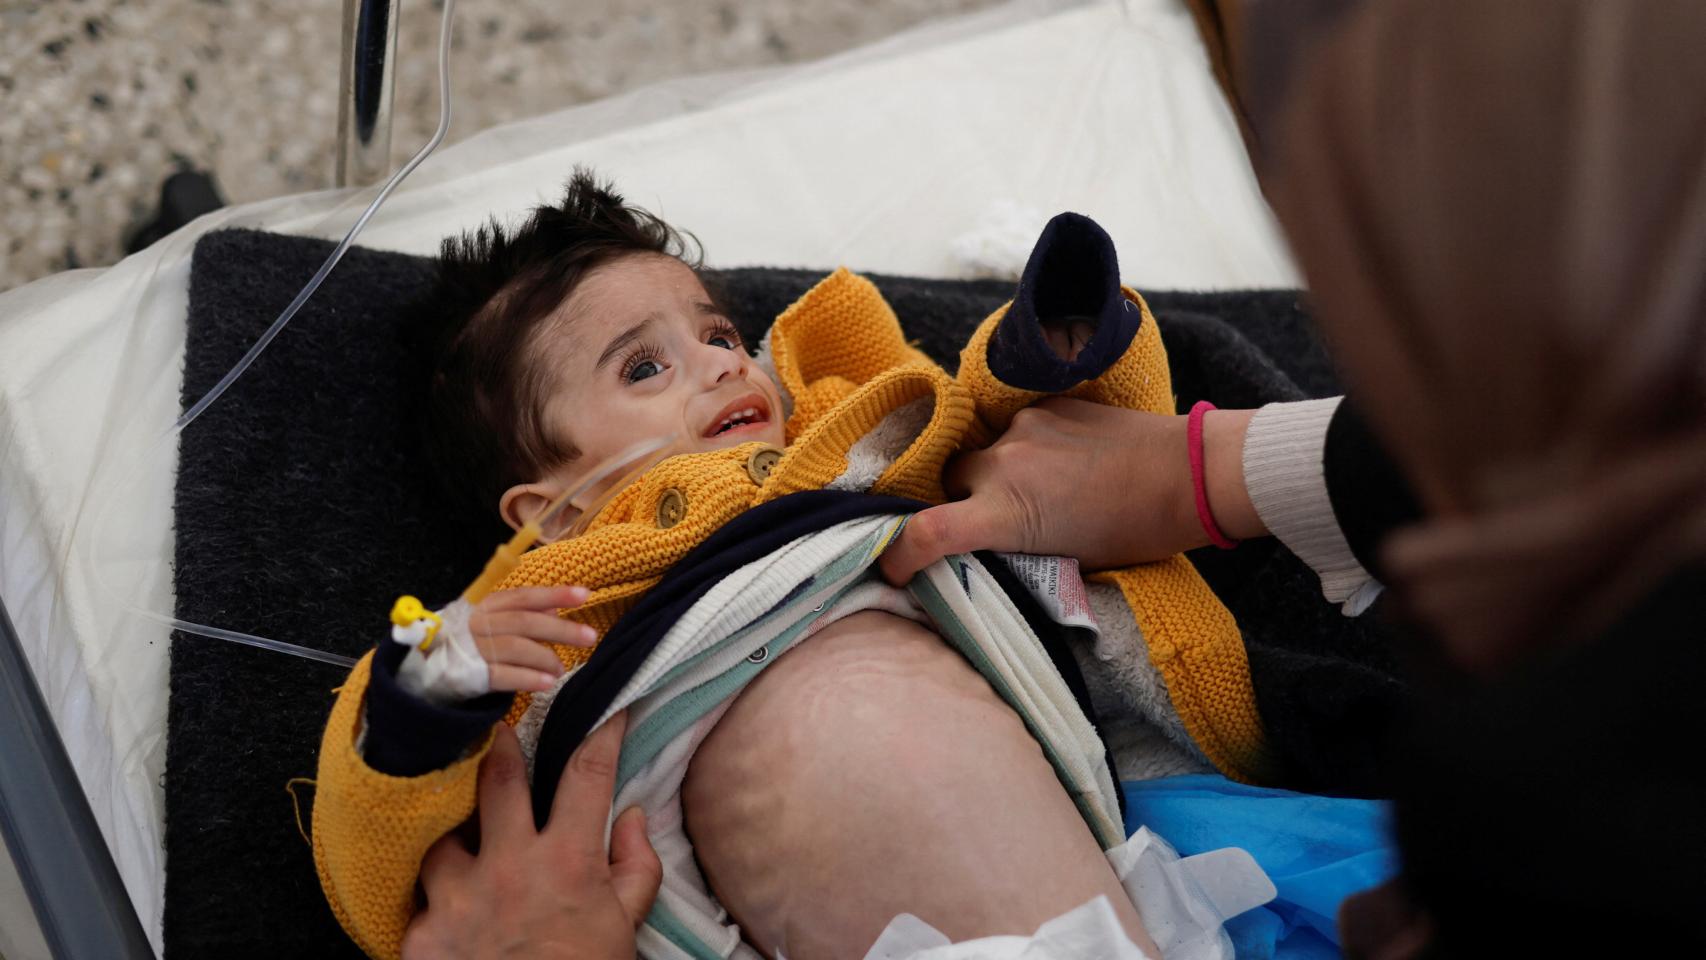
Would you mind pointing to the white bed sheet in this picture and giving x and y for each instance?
(877, 160)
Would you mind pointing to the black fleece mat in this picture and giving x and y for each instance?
(303, 508)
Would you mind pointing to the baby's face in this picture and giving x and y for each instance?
(641, 351)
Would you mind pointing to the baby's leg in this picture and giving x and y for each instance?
(871, 772)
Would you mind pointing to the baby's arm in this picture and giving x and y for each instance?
(1071, 330)
(397, 771)
(1038, 346)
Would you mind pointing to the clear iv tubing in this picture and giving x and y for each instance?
(319, 277)
(278, 325)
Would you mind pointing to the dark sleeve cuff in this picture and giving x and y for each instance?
(1072, 274)
(406, 735)
(1370, 496)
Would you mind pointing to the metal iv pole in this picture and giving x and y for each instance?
(367, 80)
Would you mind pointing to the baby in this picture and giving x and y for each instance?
(838, 751)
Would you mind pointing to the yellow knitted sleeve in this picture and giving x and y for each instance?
(1192, 639)
(840, 335)
(845, 364)
(1139, 380)
(371, 830)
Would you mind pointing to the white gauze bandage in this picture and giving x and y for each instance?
(1183, 902)
(452, 670)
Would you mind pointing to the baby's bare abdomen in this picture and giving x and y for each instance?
(871, 772)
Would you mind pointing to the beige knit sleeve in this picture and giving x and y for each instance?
(1283, 470)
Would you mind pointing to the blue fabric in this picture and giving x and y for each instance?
(1317, 851)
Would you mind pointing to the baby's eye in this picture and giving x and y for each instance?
(644, 370)
(723, 334)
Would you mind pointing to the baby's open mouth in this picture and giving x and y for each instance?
(747, 413)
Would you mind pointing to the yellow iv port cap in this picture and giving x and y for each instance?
(407, 610)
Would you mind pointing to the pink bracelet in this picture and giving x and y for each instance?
(1193, 438)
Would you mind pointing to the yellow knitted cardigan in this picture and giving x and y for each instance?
(842, 359)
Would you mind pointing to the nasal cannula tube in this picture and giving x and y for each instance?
(508, 554)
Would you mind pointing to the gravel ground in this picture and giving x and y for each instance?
(101, 99)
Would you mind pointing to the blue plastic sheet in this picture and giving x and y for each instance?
(1317, 851)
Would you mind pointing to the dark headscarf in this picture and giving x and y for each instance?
(1500, 206)
(1501, 209)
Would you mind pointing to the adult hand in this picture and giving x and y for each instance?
(1111, 487)
(540, 893)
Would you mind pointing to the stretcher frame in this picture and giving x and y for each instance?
(65, 867)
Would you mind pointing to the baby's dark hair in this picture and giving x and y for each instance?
(491, 293)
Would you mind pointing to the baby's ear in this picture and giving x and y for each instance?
(524, 501)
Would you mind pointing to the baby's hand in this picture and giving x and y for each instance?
(512, 627)
(1069, 335)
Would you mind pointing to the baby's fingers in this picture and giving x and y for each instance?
(520, 652)
(534, 598)
(517, 663)
(503, 676)
(541, 627)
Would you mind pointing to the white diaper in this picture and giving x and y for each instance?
(1183, 903)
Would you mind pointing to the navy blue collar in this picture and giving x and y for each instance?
(747, 538)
